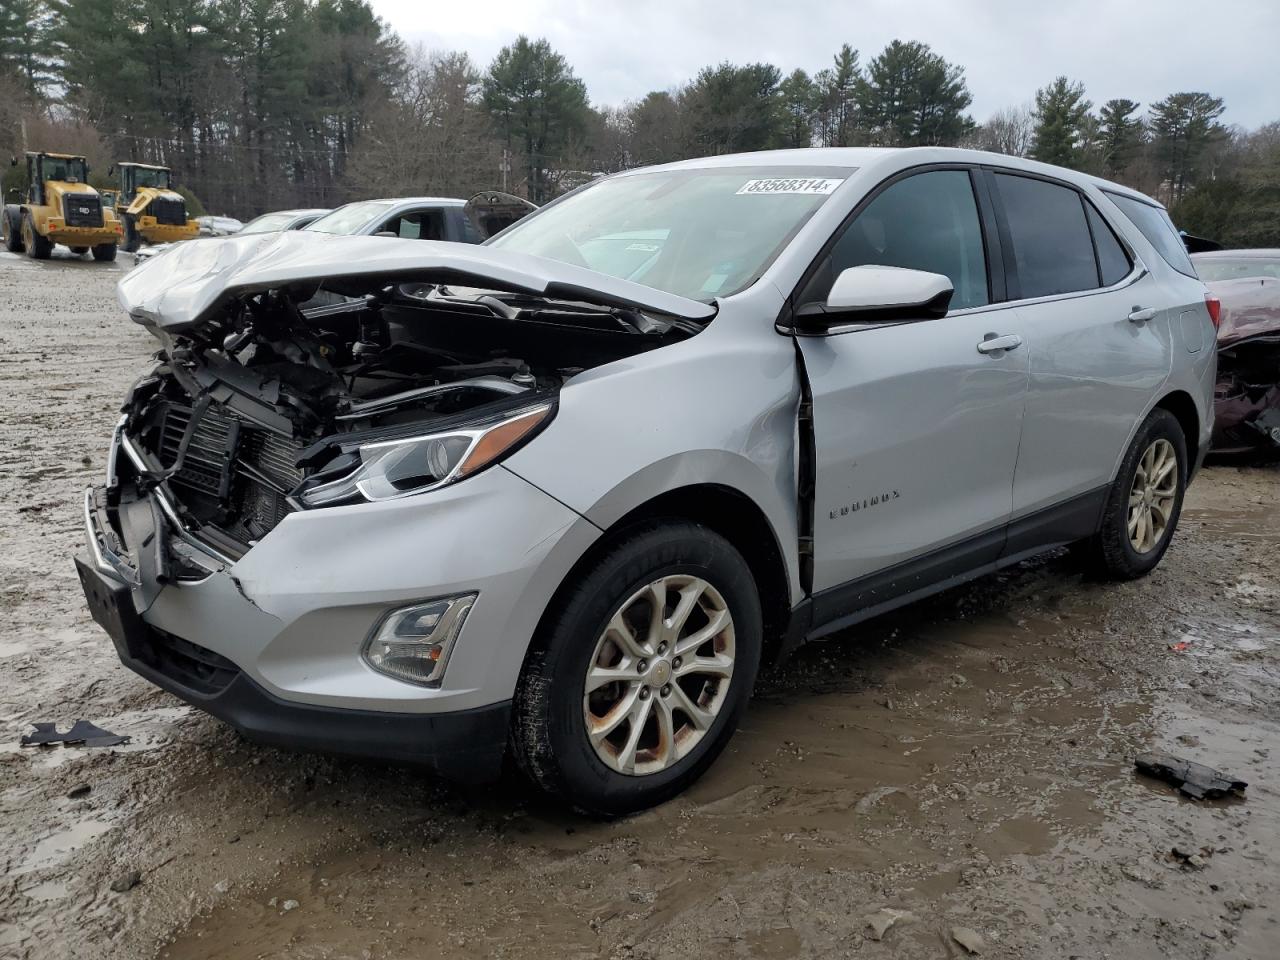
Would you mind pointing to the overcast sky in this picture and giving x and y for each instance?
(1142, 49)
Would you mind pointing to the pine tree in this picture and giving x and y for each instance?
(537, 105)
(25, 43)
(914, 97)
(1059, 114)
(1183, 127)
(800, 103)
(1121, 135)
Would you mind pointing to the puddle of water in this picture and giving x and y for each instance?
(57, 847)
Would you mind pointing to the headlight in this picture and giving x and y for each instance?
(400, 468)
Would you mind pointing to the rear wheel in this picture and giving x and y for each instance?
(104, 251)
(38, 247)
(643, 672)
(11, 226)
(1145, 501)
(132, 239)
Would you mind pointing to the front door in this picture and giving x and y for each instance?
(916, 428)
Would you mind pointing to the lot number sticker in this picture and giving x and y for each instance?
(810, 185)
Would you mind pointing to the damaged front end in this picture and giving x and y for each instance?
(1247, 393)
(261, 404)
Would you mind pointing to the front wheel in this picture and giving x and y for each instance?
(12, 228)
(642, 673)
(1145, 501)
(104, 251)
(38, 247)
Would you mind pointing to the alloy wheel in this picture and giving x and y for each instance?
(1151, 498)
(659, 675)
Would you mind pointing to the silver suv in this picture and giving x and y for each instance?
(561, 495)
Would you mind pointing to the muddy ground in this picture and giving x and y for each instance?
(968, 763)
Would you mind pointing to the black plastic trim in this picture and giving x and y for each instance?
(464, 745)
(850, 603)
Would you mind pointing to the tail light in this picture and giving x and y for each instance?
(1215, 309)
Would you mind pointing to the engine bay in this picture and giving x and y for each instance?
(279, 393)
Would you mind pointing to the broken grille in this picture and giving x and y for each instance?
(247, 470)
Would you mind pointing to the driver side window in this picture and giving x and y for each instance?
(928, 221)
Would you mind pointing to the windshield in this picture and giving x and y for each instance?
(268, 223)
(144, 177)
(1222, 269)
(351, 218)
(700, 233)
(69, 171)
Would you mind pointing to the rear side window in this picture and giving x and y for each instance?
(1155, 225)
(1113, 263)
(1052, 246)
(929, 221)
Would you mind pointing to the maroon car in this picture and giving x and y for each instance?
(1247, 398)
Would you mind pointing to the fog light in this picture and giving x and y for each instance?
(413, 643)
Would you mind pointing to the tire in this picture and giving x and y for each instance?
(12, 228)
(132, 239)
(550, 740)
(38, 247)
(104, 251)
(1112, 554)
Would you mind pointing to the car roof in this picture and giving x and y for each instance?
(440, 201)
(1256, 253)
(298, 212)
(891, 159)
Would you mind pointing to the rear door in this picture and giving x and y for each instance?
(1098, 336)
(916, 430)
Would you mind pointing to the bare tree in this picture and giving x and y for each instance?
(1010, 131)
(432, 138)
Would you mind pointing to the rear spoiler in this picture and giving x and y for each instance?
(1198, 244)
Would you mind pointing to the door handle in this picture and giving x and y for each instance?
(1141, 314)
(995, 343)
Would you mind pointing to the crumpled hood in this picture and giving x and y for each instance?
(194, 281)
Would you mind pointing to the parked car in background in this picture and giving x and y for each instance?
(566, 493)
(218, 226)
(274, 222)
(426, 218)
(1247, 397)
(284, 220)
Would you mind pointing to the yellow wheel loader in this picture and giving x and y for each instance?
(60, 207)
(150, 208)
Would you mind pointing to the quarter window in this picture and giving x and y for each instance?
(928, 221)
(1052, 247)
(1113, 263)
(1155, 225)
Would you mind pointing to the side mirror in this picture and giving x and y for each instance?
(875, 294)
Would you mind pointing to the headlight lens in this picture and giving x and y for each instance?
(400, 468)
